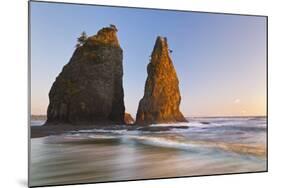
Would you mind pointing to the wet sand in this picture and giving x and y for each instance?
(66, 160)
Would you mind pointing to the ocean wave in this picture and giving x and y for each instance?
(186, 127)
(229, 124)
(257, 150)
(169, 140)
(183, 124)
(163, 142)
(120, 131)
(190, 124)
(37, 122)
(88, 136)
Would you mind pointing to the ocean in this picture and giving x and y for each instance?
(202, 146)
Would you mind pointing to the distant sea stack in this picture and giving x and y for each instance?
(129, 120)
(161, 100)
(89, 89)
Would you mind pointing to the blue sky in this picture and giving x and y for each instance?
(220, 59)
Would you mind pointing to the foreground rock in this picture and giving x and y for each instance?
(89, 89)
(161, 100)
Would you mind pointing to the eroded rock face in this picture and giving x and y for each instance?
(161, 100)
(89, 89)
(129, 120)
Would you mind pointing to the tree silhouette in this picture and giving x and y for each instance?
(113, 27)
(82, 39)
(77, 45)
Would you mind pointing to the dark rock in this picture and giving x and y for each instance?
(128, 119)
(89, 89)
(161, 100)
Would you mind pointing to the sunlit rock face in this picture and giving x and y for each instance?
(129, 120)
(161, 100)
(89, 89)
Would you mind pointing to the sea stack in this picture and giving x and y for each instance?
(129, 120)
(161, 100)
(89, 89)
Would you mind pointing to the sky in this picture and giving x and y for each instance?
(220, 59)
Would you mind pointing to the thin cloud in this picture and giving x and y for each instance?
(236, 101)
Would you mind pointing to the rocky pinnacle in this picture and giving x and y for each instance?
(89, 89)
(161, 100)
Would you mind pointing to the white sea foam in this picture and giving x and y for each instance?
(200, 146)
(160, 141)
(122, 131)
(89, 136)
(183, 124)
(95, 136)
(37, 122)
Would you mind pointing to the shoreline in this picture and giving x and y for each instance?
(49, 130)
(57, 129)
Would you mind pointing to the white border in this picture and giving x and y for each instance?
(13, 19)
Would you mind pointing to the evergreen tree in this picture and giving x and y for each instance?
(82, 39)
(113, 27)
(77, 45)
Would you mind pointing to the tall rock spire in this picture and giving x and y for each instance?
(161, 100)
(89, 89)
